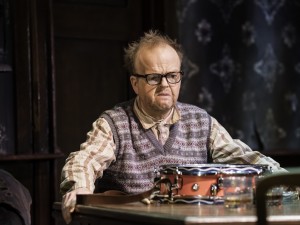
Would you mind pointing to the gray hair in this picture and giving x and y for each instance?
(150, 39)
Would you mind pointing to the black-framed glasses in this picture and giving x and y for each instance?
(156, 78)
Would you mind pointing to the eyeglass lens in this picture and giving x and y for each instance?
(172, 78)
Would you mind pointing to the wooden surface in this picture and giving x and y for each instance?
(138, 213)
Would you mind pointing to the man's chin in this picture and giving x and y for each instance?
(165, 107)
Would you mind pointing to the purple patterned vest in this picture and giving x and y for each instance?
(139, 153)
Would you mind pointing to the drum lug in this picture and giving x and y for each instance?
(213, 189)
(220, 182)
(195, 187)
(177, 183)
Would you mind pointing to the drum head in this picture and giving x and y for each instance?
(214, 169)
(191, 169)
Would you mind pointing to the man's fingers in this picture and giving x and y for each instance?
(69, 203)
(66, 214)
(68, 206)
(72, 205)
(146, 201)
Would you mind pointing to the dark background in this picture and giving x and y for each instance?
(61, 65)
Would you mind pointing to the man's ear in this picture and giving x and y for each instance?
(134, 84)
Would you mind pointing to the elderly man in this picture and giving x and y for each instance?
(127, 143)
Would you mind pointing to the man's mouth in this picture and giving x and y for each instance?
(163, 94)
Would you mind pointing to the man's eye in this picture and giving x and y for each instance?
(172, 75)
(154, 77)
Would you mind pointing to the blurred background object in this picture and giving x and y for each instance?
(15, 201)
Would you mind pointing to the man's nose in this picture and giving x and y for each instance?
(164, 81)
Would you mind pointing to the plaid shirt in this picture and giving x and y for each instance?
(83, 167)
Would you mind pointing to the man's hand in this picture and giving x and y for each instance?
(69, 202)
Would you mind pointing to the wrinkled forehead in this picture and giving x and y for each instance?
(157, 54)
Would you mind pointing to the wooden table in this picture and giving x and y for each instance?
(139, 213)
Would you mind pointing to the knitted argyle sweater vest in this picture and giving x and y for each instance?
(139, 153)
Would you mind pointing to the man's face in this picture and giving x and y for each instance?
(156, 100)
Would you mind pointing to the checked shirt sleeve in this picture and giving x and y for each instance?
(225, 149)
(83, 167)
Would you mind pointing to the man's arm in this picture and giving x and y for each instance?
(224, 149)
(83, 167)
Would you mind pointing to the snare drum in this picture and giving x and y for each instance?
(201, 183)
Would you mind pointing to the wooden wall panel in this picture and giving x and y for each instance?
(89, 80)
(32, 159)
(22, 69)
(94, 21)
(89, 42)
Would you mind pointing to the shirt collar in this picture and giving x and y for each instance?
(147, 121)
